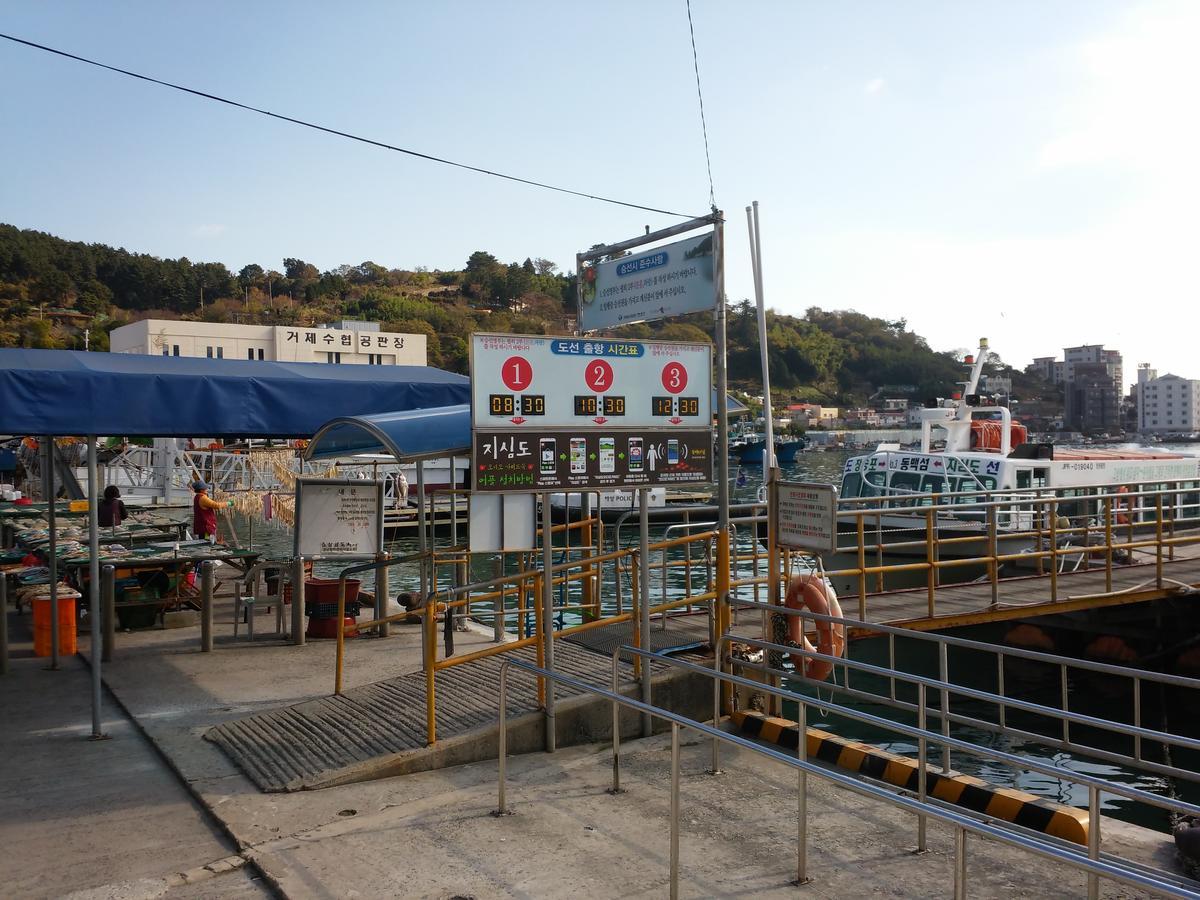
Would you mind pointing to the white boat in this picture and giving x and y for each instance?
(987, 456)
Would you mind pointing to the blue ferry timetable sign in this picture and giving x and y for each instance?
(667, 281)
(576, 413)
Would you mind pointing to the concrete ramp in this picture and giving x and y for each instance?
(378, 730)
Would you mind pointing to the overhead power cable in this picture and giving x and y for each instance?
(712, 196)
(344, 134)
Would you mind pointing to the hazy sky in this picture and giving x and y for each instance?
(1022, 170)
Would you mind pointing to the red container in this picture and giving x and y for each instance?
(42, 643)
(325, 590)
(327, 628)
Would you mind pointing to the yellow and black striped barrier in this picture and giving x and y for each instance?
(1006, 804)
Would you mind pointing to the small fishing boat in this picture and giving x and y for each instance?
(753, 449)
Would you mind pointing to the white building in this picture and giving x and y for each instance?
(1168, 404)
(354, 343)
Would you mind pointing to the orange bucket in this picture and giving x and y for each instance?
(67, 645)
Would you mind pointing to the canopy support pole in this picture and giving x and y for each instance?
(52, 562)
(94, 583)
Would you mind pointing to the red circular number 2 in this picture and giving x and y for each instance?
(599, 375)
(674, 377)
(517, 373)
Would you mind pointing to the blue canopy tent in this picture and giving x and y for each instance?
(413, 434)
(63, 392)
(60, 392)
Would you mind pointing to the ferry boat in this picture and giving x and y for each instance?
(985, 455)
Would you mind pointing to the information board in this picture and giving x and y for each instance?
(338, 517)
(671, 280)
(570, 413)
(806, 516)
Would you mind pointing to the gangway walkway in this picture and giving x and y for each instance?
(379, 729)
(1033, 595)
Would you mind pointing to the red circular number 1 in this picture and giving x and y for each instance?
(517, 373)
(598, 375)
(674, 377)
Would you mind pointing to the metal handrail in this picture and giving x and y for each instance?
(1049, 712)
(1092, 864)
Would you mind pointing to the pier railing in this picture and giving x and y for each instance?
(1091, 861)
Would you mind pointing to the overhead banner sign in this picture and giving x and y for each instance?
(556, 413)
(672, 280)
(806, 516)
(338, 517)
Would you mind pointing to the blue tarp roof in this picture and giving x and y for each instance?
(424, 433)
(415, 434)
(64, 392)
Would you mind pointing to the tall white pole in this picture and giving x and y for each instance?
(756, 265)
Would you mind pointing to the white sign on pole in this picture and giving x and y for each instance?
(338, 517)
(806, 516)
(502, 523)
(671, 280)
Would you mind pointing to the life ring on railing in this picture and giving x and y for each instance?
(1123, 506)
(812, 593)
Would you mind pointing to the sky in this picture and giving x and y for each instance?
(1024, 171)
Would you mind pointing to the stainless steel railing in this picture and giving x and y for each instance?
(1139, 734)
(1093, 864)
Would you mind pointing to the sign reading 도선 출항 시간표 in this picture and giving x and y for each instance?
(671, 280)
(574, 413)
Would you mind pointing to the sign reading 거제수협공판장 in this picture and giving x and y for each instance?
(338, 517)
(672, 280)
(806, 516)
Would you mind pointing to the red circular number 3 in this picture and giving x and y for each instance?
(674, 377)
(599, 375)
(517, 373)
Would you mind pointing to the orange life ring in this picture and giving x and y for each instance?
(1122, 506)
(811, 592)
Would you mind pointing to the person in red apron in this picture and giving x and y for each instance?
(204, 512)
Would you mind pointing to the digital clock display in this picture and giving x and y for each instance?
(533, 404)
(689, 406)
(662, 406)
(614, 406)
(585, 405)
(502, 404)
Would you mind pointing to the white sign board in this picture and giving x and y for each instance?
(806, 516)
(572, 382)
(502, 523)
(571, 413)
(671, 280)
(338, 518)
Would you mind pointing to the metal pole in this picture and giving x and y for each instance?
(502, 809)
(206, 606)
(1093, 882)
(944, 669)
(756, 265)
(51, 518)
(298, 601)
(616, 725)
(644, 601)
(721, 604)
(108, 578)
(960, 864)
(94, 583)
(802, 798)
(498, 603)
(421, 542)
(674, 810)
(381, 593)
(921, 754)
(3, 624)
(548, 616)
(453, 506)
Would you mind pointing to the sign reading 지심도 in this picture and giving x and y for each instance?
(672, 280)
